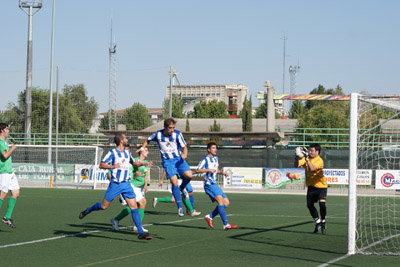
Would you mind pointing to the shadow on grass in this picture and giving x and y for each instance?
(160, 212)
(247, 237)
(180, 226)
(92, 229)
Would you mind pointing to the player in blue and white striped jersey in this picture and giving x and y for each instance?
(209, 166)
(173, 152)
(118, 160)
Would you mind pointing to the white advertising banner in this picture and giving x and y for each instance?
(243, 177)
(81, 169)
(341, 176)
(387, 179)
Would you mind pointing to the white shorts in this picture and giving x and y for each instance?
(139, 192)
(8, 181)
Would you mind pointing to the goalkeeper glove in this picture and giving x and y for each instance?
(305, 152)
(299, 152)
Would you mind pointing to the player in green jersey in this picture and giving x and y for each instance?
(8, 180)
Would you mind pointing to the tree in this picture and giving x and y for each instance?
(333, 114)
(210, 109)
(247, 124)
(323, 116)
(177, 107)
(216, 127)
(296, 110)
(13, 115)
(137, 117)
(261, 111)
(76, 111)
(86, 108)
(104, 122)
(187, 128)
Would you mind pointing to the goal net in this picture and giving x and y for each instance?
(374, 210)
(42, 165)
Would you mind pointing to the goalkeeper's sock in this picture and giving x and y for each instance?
(312, 209)
(187, 204)
(141, 213)
(322, 210)
(136, 220)
(191, 200)
(221, 211)
(96, 206)
(214, 212)
(10, 207)
(1, 202)
(124, 212)
(177, 195)
(165, 199)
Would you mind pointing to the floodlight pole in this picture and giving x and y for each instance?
(172, 73)
(57, 109)
(30, 5)
(171, 81)
(51, 86)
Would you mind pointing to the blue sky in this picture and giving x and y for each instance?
(348, 42)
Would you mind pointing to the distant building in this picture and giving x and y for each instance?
(279, 105)
(156, 115)
(232, 94)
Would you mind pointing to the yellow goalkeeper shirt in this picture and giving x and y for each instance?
(314, 178)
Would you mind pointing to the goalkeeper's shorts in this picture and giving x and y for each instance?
(314, 194)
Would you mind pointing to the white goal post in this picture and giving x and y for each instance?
(374, 211)
(68, 165)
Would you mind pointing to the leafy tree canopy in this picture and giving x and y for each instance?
(76, 111)
(210, 109)
(137, 117)
(177, 107)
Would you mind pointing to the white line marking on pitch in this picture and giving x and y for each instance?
(361, 249)
(335, 260)
(87, 233)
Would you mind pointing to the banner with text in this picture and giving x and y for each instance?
(38, 172)
(85, 174)
(290, 178)
(387, 179)
(243, 178)
(341, 176)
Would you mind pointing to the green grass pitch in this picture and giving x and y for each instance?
(274, 230)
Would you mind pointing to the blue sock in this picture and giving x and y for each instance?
(137, 221)
(177, 195)
(185, 181)
(221, 211)
(214, 213)
(96, 206)
(191, 198)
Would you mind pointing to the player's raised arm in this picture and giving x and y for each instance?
(144, 145)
